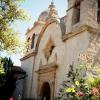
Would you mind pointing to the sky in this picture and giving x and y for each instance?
(34, 8)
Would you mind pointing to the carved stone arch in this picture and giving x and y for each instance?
(41, 84)
(43, 30)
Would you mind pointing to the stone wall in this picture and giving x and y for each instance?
(27, 65)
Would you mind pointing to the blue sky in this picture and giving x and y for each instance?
(34, 8)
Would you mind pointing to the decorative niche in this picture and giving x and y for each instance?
(48, 49)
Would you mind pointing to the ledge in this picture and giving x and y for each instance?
(47, 68)
(78, 31)
(28, 55)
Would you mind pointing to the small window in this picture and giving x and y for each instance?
(28, 44)
(33, 39)
(98, 13)
(76, 13)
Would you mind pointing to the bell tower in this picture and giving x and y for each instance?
(69, 15)
(82, 12)
(89, 13)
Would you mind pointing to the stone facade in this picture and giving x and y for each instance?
(57, 44)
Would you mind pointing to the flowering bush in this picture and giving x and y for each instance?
(79, 94)
(77, 87)
(95, 91)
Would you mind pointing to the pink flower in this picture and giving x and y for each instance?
(79, 93)
(11, 98)
(95, 91)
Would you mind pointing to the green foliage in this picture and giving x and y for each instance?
(6, 66)
(1, 68)
(10, 11)
(11, 41)
(94, 81)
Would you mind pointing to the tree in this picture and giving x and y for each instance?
(10, 11)
(1, 68)
(9, 74)
(7, 80)
(7, 64)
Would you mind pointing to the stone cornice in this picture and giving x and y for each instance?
(78, 31)
(28, 55)
(47, 68)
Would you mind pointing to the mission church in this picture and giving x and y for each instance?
(55, 43)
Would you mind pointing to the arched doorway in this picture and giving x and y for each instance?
(45, 91)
